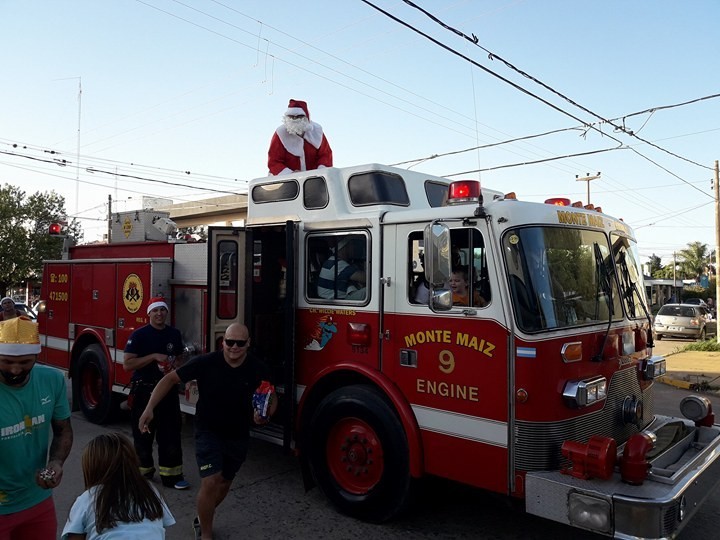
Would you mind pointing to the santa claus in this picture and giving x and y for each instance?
(298, 144)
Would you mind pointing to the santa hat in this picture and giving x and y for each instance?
(156, 302)
(7, 298)
(297, 108)
(18, 337)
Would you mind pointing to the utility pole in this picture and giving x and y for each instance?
(109, 218)
(717, 241)
(587, 178)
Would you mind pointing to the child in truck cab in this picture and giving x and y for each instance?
(460, 289)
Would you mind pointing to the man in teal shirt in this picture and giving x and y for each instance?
(33, 402)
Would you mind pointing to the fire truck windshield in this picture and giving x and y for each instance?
(555, 280)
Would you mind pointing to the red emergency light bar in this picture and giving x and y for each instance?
(558, 201)
(464, 191)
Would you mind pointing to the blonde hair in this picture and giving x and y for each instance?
(109, 462)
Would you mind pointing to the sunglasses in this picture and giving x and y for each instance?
(238, 342)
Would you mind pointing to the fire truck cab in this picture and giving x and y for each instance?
(416, 326)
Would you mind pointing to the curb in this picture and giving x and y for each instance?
(677, 383)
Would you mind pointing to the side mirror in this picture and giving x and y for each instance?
(441, 300)
(437, 253)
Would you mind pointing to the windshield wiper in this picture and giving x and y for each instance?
(632, 291)
(603, 274)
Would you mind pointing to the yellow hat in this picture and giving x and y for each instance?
(18, 337)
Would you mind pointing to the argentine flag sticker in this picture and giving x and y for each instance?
(526, 352)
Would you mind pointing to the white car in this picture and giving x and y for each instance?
(26, 309)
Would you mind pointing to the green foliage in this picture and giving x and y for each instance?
(655, 264)
(694, 259)
(695, 291)
(24, 225)
(709, 345)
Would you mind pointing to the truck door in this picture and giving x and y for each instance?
(452, 366)
(226, 281)
(251, 280)
(270, 309)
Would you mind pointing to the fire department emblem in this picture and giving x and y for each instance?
(127, 227)
(132, 293)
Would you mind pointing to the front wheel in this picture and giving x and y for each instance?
(91, 385)
(358, 454)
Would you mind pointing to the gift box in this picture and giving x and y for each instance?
(262, 398)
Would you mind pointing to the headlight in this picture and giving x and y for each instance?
(653, 367)
(585, 392)
(589, 513)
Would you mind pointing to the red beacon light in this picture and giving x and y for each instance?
(558, 201)
(57, 229)
(464, 191)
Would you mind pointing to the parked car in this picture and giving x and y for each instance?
(26, 309)
(684, 320)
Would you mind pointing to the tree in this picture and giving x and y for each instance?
(694, 259)
(654, 264)
(24, 226)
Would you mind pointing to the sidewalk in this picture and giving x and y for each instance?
(690, 368)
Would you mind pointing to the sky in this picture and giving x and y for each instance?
(124, 99)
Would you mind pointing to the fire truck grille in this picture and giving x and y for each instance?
(538, 444)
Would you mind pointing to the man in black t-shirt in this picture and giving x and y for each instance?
(227, 380)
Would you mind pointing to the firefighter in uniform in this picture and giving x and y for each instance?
(150, 353)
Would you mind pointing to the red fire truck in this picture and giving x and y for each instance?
(415, 326)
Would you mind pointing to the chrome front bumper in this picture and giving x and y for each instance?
(681, 478)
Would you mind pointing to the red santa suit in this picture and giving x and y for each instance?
(289, 152)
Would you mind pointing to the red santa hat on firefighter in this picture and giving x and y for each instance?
(157, 302)
(297, 108)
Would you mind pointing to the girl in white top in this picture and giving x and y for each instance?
(118, 502)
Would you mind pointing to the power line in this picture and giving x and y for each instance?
(651, 110)
(672, 216)
(664, 107)
(591, 152)
(484, 146)
(493, 56)
(525, 91)
(338, 72)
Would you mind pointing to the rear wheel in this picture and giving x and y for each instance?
(358, 454)
(658, 337)
(92, 389)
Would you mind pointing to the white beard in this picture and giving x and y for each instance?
(296, 127)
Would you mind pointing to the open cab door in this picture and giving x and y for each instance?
(251, 277)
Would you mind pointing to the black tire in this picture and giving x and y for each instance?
(658, 337)
(92, 389)
(358, 454)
